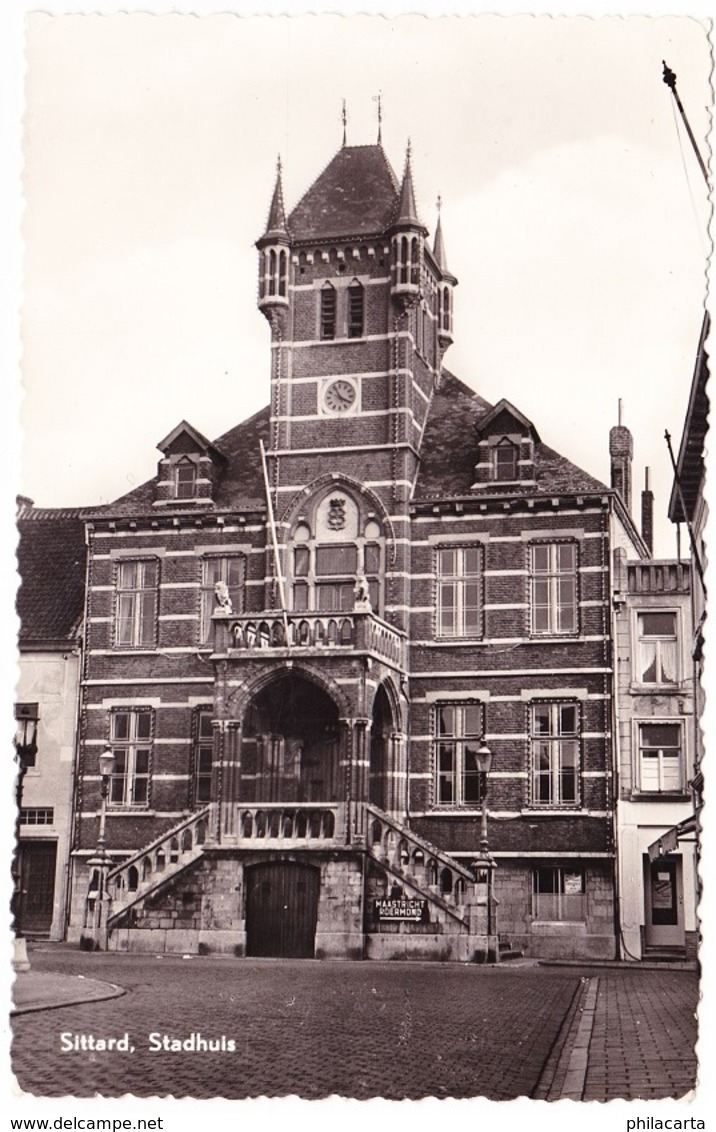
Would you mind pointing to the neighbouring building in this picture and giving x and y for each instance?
(656, 759)
(50, 602)
(297, 663)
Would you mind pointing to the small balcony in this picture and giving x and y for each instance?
(653, 577)
(308, 634)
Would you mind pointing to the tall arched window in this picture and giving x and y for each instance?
(328, 311)
(356, 309)
(331, 555)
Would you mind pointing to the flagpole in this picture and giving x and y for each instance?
(274, 541)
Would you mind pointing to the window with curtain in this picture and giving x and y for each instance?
(657, 654)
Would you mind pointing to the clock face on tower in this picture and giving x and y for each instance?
(340, 396)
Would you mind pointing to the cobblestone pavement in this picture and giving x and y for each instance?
(360, 1030)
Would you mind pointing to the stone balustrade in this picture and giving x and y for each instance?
(277, 825)
(355, 631)
(158, 861)
(423, 865)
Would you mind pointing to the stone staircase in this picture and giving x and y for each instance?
(428, 871)
(157, 863)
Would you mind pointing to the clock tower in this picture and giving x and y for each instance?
(360, 310)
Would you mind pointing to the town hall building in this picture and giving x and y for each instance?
(354, 659)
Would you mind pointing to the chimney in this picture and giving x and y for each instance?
(647, 513)
(621, 450)
(23, 504)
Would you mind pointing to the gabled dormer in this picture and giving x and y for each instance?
(506, 449)
(188, 470)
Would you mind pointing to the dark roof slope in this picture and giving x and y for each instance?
(51, 557)
(449, 450)
(355, 195)
(240, 483)
(690, 464)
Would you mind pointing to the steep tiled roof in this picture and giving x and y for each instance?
(51, 561)
(449, 450)
(355, 195)
(240, 481)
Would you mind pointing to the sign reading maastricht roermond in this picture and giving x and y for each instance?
(400, 909)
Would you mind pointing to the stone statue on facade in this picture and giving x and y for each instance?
(223, 598)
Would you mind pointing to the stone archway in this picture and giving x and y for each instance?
(290, 743)
(381, 773)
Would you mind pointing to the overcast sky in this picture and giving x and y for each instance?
(574, 216)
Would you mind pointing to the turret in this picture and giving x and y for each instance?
(407, 243)
(446, 284)
(273, 254)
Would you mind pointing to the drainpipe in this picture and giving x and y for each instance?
(74, 774)
(615, 745)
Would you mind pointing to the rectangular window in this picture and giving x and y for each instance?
(660, 757)
(558, 894)
(555, 754)
(131, 739)
(328, 312)
(553, 588)
(657, 648)
(136, 608)
(459, 613)
(203, 756)
(505, 461)
(356, 304)
(217, 568)
(185, 480)
(37, 815)
(458, 732)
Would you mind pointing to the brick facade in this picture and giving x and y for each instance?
(379, 464)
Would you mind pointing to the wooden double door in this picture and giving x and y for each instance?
(282, 909)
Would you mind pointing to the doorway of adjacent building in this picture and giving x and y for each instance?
(38, 860)
(282, 909)
(664, 920)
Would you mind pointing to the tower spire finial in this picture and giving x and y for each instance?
(379, 99)
(344, 118)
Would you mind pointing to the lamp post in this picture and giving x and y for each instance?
(97, 904)
(484, 864)
(27, 717)
(484, 763)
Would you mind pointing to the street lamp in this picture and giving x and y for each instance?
(484, 763)
(97, 902)
(27, 718)
(484, 864)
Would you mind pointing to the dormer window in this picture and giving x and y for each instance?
(185, 474)
(328, 312)
(504, 456)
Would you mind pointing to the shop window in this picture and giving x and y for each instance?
(558, 894)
